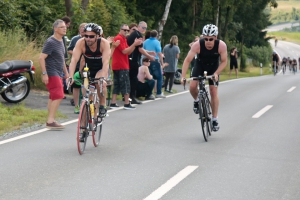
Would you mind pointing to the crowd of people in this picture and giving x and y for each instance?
(138, 64)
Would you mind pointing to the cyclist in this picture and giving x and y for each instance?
(96, 53)
(289, 61)
(275, 60)
(209, 50)
(283, 64)
(294, 64)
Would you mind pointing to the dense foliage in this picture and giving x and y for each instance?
(240, 22)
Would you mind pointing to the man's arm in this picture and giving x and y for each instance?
(105, 57)
(188, 59)
(42, 62)
(223, 55)
(75, 56)
(145, 53)
(131, 48)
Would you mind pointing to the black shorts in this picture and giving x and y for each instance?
(233, 64)
(197, 71)
(121, 82)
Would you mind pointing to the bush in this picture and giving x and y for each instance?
(259, 55)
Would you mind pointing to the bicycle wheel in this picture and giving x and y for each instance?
(203, 118)
(209, 112)
(96, 133)
(82, 127)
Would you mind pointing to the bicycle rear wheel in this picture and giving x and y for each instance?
(204, 119)
(96, 133)
(82, 127)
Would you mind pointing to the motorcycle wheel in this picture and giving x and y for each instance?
(17, 93)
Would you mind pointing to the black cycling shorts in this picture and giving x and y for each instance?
(197, 71)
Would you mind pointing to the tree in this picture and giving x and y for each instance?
(162, 22)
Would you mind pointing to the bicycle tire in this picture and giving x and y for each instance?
(96, 133)
(209, 112)
(82, 127)
(203, 118)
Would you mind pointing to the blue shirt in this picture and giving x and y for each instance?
(152, 44)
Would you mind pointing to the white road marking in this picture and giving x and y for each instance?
(291, 89)
(162, 190)
(262, 111)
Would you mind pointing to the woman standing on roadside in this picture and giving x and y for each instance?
(171, 52)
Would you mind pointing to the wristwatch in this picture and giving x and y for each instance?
(44, 73)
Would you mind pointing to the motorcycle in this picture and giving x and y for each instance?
(14, 87)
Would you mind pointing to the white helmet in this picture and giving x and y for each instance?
(210, 30)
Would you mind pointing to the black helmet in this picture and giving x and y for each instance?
(93, 27)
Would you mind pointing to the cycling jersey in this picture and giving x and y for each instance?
(275, 57)
(93, 59)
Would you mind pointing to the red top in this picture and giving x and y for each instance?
(120, 60)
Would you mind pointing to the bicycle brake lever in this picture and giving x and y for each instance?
(184, 82)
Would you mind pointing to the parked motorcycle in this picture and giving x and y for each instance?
(14, 87)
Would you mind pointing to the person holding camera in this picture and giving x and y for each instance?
(233, 61)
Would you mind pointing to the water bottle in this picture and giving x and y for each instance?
(92, 109)
(85, 75)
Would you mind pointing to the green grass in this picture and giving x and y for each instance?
(18, 116)
(286, 36)
(286, 11)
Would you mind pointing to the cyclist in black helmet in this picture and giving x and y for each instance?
(209, 50)
(96, 52)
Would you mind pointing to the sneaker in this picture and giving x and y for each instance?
(72, 102)
(151, 97)
(129, 107)
(215, 126)
(166, 90)
(114, 105)
(171, 91)
(196, 107)
(76, 110)
(54, 125)
(82, 136)
(160, 96)
(102, 112)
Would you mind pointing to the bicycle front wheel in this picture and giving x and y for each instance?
(97, 132)
(209, 113)
(82, 127)
(204, 119)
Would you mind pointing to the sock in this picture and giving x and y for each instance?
(197, 100)
(215, 118)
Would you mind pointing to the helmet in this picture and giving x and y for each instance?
(274, 52)
(210, 30)
(177, 76)
(93, 27)
(77, 78)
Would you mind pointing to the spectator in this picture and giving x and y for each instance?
(120, 67)
(53, 66)
(132, 27)
(134, 59)
(152, 44)
(233, 61)
(76, 87)
(171, 52)
(145, 81)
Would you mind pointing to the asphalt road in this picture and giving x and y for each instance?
(158, 150)
(279, 27)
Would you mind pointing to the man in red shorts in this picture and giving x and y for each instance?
(52, 62)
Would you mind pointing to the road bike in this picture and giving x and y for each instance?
(205, 110)
(89, 121)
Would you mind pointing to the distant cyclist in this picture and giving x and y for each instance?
(209, 50)
(283, 63)
(96, 52)
(275, 61)
(294, 64)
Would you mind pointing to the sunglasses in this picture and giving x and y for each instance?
(209, 39)
(145, 28)
(126, 30)
(146, 60)
(89, 36)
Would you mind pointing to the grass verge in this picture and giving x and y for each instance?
(18, 116)
(286, 36)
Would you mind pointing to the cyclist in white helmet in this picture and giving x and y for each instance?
(209, 51)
